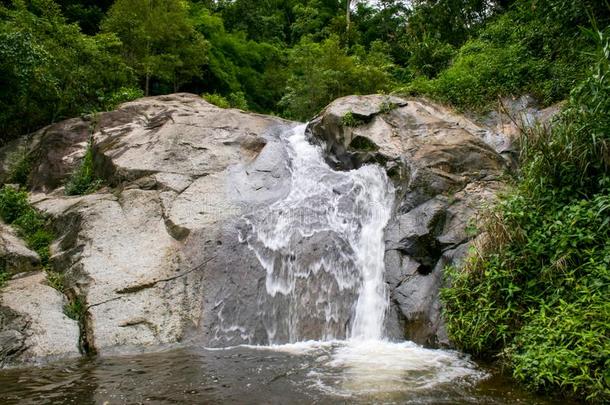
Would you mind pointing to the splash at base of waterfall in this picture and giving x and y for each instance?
(379, 369)
(323, 249)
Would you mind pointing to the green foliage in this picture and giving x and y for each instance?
(75, 309)
(49, 69)
(56, 280)
(239, 65)
(31, 225)
(536, 293)
(13, 204)
(524, 50)
(87, 13)
(159, 40)
(120, 96)
(387, 106)
(20, 166)
(350, 120)
(217, 100)
(429, 56)
(4, 276)
(235, 100)
(84, 180)
(322, 72)
(238, 100)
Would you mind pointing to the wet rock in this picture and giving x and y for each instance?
(445, 167)
(138, 254)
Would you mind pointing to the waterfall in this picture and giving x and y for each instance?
(322, 247)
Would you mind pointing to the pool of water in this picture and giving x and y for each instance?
(304, 373)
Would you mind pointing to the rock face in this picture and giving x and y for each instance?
(156, 256)
(139, 253)
(444, 167)
(33, 325)
(15, 257)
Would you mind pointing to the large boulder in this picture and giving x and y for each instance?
(167, 250)
(445, 169)
(33, 325)
(139, 253)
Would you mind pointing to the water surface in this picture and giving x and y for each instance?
(304, 373)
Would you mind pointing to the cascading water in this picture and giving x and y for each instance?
(323, 249)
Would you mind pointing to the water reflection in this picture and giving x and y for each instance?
(321, 373)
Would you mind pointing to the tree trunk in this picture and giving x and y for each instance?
(348, 14)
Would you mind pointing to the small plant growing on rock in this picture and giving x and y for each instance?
(387, 106)
(216, 99)
(75, 309)
(31, 225)
(83, 180)
(120, 96)
(56, 280)
(350, 120)
(20, 166)
(4, 276)
(233, 100)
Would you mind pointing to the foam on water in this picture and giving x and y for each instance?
(378, 368)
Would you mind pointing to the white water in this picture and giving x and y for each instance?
(323, 250)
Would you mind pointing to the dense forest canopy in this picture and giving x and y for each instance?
(286, 57)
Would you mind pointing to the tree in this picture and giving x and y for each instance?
(322, 72)
(88, 14)
(49, 70)
(159, 40)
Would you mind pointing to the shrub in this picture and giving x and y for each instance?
(75, 309)
(234, 100)
(536, 292)
(56, 280)
(350, 120)
(13, 204)
(83, 180)
(30, 224)
(120, 96)
(238, 100)
(217, 100)
(387, 106)
(20, 166)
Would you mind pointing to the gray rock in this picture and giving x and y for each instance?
(35, 326)
(157, 257)
(445, 168)
(139, 256)
(15, 256)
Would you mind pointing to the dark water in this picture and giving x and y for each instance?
(245, 375)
